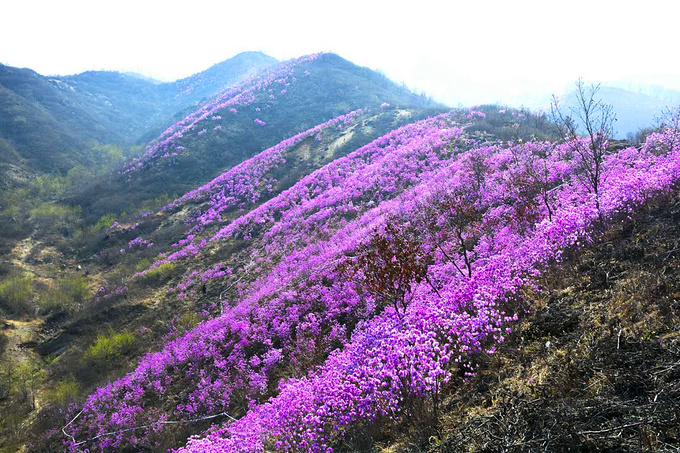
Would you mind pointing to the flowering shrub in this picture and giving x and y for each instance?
(460, 234)
(105, 293)
(476, 114)
(185, 287)
(139, 243)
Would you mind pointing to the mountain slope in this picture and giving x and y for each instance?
(329, 274)
(594, 367)
(217, 77)
(51, 121)
(156, 300)
(286, 99)
(344, 267)
(402, 253)
(34, 138)
(397, 367)
(131, 107)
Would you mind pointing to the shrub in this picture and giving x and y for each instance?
(142, 265)
(110, 347)
(66, 294)
(75, 287)
(185, 323)
(161, 272)
(16, 293)
(53, 212)
(104, 221)
(3, 343)
(52, 218)
(64, 393)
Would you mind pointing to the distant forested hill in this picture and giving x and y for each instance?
(49, 124)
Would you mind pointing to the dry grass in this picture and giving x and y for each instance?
(596, 366)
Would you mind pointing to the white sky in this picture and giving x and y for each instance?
(457, 51)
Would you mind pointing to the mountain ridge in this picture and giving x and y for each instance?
(107, 107)
(249, 117)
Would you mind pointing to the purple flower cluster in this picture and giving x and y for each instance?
(490, 219)
(246, 182)
(188, 251)
(186, 286)
(106, 293)
(472, 114)
(131, 227)
(139, 243)
(217, 271)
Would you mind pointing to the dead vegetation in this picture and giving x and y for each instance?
(595, 367)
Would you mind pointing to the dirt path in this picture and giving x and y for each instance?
(20, 336)
(25, 250)
(20, 252)
(23, 334)
(20, 332)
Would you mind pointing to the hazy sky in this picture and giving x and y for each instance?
(457, 51)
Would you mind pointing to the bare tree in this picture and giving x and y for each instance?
(587, 127)
(669, 119)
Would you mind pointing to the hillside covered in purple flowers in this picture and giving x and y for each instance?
(313, 258)
(245, 118)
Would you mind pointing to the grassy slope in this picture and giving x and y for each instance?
(166, 228)
(33, 137)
